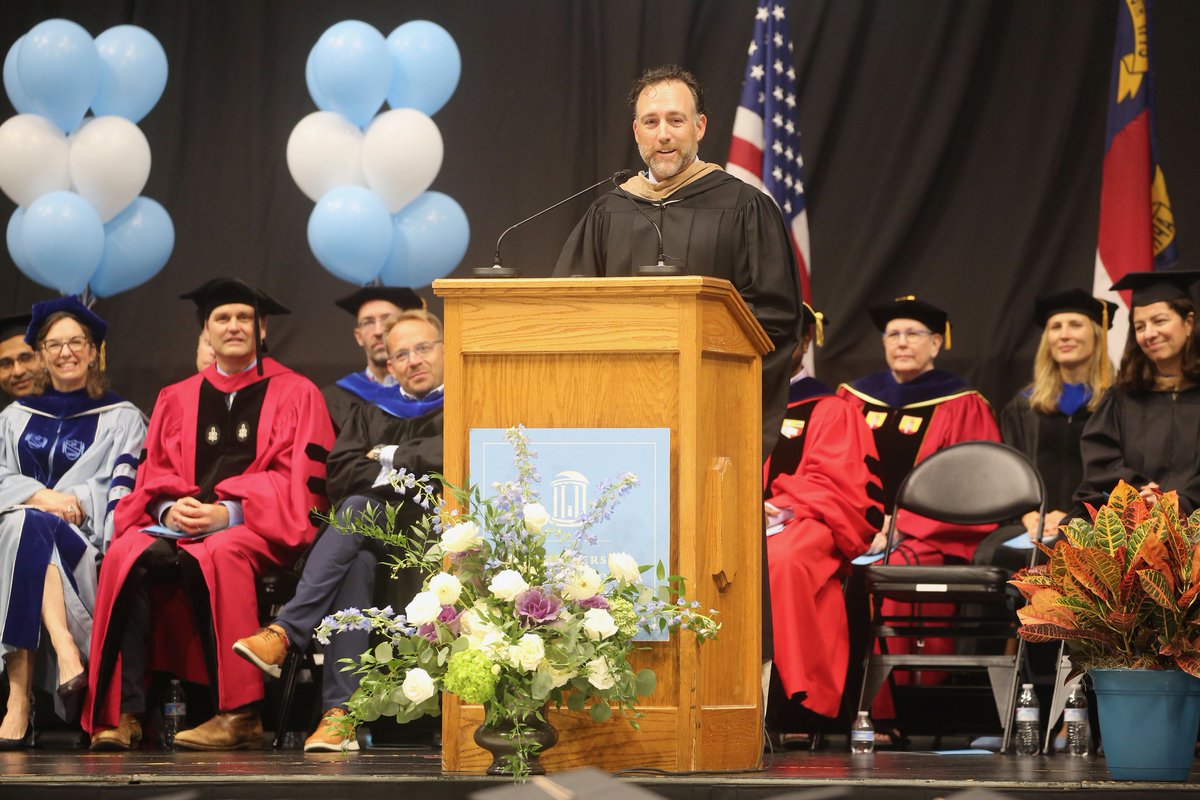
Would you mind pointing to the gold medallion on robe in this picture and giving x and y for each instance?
(243, 431)
(875, 419)
(792, 428)
(910, 425)
(212, 435)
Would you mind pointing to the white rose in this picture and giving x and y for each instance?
(446, 587)
(598, 624)
(624, 568)
(470, 620)
(558, 677)
(461, 537)
(418, 686)
(423, 608)
(536, 517)
(507, 584)
(490, 641)
(584, 583)
(527, 653)
(598, 674)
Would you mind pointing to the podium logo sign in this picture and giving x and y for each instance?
(572, 464)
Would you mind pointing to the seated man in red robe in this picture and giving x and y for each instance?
(824, 503)
(234, 461)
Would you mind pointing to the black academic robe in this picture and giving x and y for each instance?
(1139, 438)
(716, 226)
(1051, 442)
(341, 404)
(419, 443)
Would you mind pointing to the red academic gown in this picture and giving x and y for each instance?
(820, 470)
(911, 421)
(283, 480)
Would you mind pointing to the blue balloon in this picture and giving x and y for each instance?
(133, 72)
(352, 70)
(63, 240)
(310, 80)
(137, 244)
(59, 68)
(350, 233)
(426, 66)
(12, 84)
(431, 236)
(16, 249)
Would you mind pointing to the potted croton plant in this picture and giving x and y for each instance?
(1122, 590)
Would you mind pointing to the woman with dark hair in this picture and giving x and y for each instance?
(1145, 429)
(67, 454)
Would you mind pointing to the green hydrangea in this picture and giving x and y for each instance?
(469, 675)
(623, 615)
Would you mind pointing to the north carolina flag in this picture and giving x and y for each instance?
(765, 151)
(1137, 229)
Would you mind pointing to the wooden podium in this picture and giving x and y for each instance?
(681, 353)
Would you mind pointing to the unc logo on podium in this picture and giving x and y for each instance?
(570, 499)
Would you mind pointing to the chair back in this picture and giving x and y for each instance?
(973, 483)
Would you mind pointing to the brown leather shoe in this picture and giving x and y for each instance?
(331, 735)
(266, 649)
(240, 729)
(126, 736)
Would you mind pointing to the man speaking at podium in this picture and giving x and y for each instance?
(697, 218)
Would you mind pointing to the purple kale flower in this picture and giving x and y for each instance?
(595, 601)
(536, 606)
(448, 617)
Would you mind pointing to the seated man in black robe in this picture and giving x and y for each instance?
(340, 571)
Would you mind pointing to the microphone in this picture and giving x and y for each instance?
(651, 270)
(498, 270)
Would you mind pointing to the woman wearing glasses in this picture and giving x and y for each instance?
(68, 452)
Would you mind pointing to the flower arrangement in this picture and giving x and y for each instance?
(503, 620)
(1122, 589)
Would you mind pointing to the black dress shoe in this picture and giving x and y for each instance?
(24, 743)
(71, 694)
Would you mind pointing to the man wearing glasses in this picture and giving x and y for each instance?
(340, 571)
(374, 308)
(19, 365)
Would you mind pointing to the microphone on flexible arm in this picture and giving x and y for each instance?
(498, 270)
(661, 269)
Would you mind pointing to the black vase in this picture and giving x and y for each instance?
(498, 740)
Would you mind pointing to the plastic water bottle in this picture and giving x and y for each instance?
(1027, 733)
(174, 712)
(1079, 734)
(862, 734)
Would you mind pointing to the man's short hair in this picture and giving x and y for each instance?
(422, 315)
(669, 72)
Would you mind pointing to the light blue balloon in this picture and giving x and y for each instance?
(59, 68)
(352, 70)
(137, 244)
(310, 80)
(63, 240)
(426, 66)
(12, 84)
(16, 249)
(350, 233)
(431, 236)
(133, 72)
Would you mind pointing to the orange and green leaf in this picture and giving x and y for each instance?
(1110, 533)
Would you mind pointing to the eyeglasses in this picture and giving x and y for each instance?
(423, 349)
(24, 359)
(371, 322)
(75, 344)
(892, 337)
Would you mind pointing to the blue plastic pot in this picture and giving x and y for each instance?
(1148, 721)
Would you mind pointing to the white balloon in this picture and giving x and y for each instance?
(33, 158)
(401, 155)
(110, 162)
(324, 152)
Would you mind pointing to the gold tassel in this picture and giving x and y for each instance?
(1105, 363)
(947, 337)
(102, 357)
(820, 325)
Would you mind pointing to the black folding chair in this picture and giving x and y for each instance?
(972, 483)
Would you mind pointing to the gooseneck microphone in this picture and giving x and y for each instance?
(498, 270)
(651, 270)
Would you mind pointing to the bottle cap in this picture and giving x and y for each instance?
(1026, 685)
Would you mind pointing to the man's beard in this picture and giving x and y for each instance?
(663, 169)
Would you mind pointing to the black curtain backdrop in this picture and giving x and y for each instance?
(953, 151)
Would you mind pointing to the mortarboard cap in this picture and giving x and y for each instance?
(1076, 300)
(399, 296)
(14, 325)
(811, 318)
(222, 291)
(909, 307)
(70, 305)
(1159, 285)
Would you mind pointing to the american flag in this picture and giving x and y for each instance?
(765, 151)
(1137, 228)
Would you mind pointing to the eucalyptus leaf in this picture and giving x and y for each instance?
(600, 711)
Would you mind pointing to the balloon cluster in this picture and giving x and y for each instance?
(80, 221)
(368, 173)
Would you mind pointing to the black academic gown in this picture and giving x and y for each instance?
(1139, 438)
(419, 442)
(716, 226)
(341, 403)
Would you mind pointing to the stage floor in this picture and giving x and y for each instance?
(46, 773)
